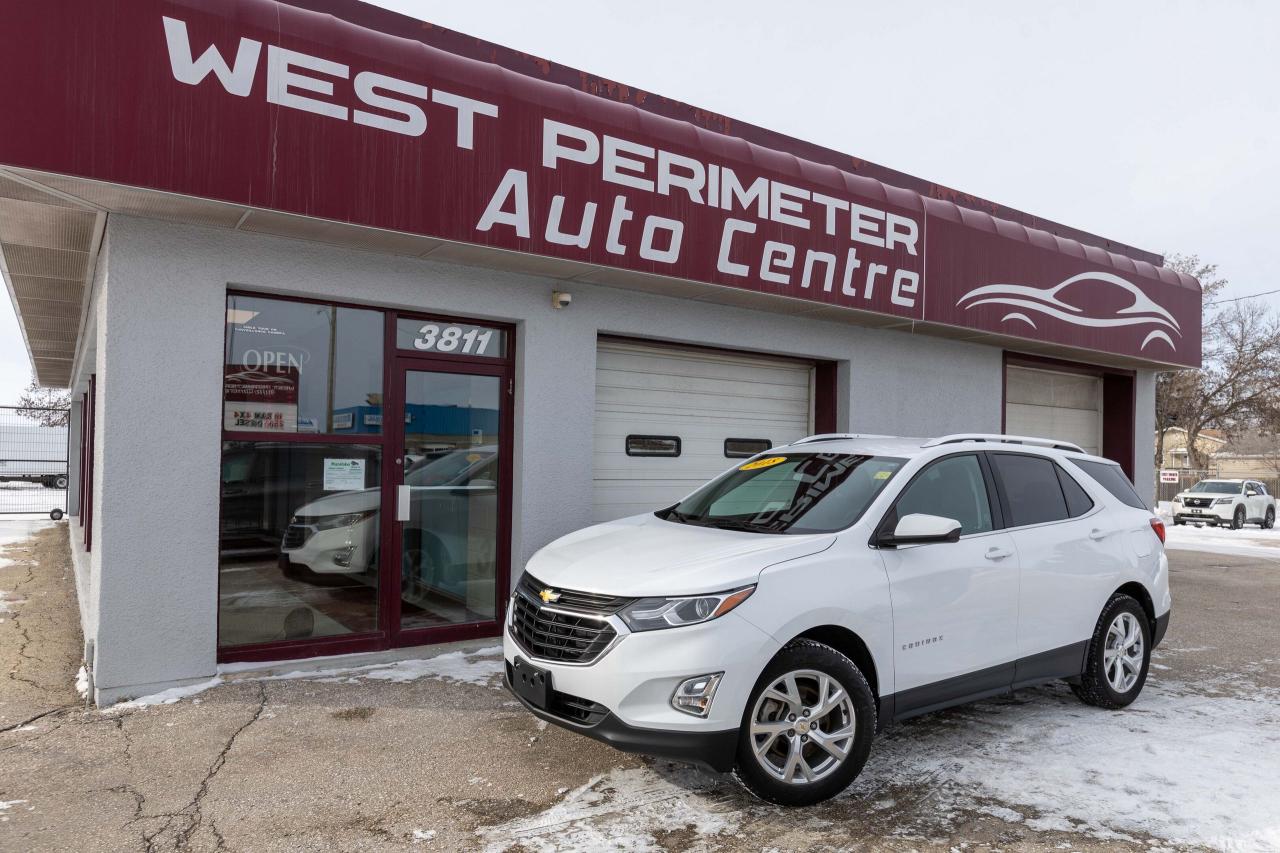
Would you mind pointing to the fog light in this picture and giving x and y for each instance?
(694, 695)
(342, 557)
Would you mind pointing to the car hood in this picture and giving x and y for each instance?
(646, 556)
(341, 504)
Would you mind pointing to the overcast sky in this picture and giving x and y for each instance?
(1151, 123)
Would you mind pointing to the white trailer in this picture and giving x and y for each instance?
(32, 453)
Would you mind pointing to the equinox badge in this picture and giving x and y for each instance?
(549, 596)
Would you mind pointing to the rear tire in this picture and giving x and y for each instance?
(807, 728)
(1119, 656)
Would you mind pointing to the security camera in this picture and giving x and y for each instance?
(559, 299)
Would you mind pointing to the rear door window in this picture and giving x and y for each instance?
(1031, 488)
(1110, 476)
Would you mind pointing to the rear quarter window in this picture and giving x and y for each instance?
(1111, 477)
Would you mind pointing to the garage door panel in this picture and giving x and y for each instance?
(625, 386)
(701, 397)
(1049, 404)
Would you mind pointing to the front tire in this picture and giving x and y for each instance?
(807, 728)
(1270, 520)
(1119, 655)
(1237, 520)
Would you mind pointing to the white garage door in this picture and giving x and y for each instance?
(1048, 404)
(661, 396)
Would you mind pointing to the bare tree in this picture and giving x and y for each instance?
(1239, 383)
(50, 407)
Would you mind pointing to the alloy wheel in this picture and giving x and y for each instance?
(802, 727)
(1122, 655)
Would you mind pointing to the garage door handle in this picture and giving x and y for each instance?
(995, 553)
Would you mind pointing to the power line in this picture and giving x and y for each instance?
(1239, 298)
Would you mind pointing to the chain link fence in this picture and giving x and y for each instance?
(33, 461)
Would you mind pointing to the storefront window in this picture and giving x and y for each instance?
(300, 367)
(298, 555)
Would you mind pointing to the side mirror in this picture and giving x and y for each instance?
(1251, 493)
(919, 529)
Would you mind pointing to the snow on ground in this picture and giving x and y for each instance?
(481, 667)
(1246, 542)
(15, 529)
(1178, 765)
(624, 810)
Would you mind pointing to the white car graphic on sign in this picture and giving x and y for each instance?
(1142, 311)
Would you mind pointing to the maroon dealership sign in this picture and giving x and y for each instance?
(264, 104)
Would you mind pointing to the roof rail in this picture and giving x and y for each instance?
(838, 436)
(1004, 439)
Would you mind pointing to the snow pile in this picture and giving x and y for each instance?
(622, 810)
(82, 681)
(1189, 768)
(1247, 542)
(167, 697)
(481, 667)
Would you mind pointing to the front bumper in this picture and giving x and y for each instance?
(635, 679)
(716, 750)
(342, 550)
(1208, 514)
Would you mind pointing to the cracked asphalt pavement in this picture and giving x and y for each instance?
(437, 761)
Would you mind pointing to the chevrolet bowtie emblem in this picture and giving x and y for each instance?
(548, 596)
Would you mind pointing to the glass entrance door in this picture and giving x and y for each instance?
(450, 517)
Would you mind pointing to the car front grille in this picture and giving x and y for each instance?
(296, 535)
(587, 602)
(572, 629)
(1198, 502)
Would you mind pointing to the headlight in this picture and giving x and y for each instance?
(1221, 501)
(650, 614)
(329, 522)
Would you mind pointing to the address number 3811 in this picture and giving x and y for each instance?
(463, 340)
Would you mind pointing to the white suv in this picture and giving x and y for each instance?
(1233, 502)
(775, 619)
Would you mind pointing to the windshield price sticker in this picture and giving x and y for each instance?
(437, 336)
(763, 463)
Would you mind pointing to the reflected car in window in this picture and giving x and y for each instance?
(450, 495)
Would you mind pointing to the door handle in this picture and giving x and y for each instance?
(1095, 534)
(997, 553)
(404, 494)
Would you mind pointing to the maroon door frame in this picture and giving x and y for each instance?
(394, 362)
(1119, 401)
(392, 531)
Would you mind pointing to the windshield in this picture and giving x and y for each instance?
(791, 493)
(1216, 487)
